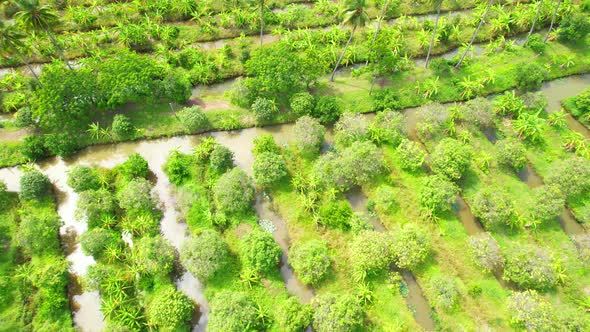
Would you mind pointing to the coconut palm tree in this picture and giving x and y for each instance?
(552, 20)
(36, 17)
(483, 18)
(355, 15)
(11, 42)
(383, 9)
(535, 19)
(438, 4)
(260, 4)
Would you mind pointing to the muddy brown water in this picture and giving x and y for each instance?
(559, 89)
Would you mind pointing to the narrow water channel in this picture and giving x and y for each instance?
(562, 88)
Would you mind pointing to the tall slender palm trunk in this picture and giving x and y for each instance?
(433, 35)
(342, 54)
(261, 21)
(552, 20)
(535, 20)
(383, 9)
(61, 53)
(483, 18)
(23, 59)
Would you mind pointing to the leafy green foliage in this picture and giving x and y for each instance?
(38, 234)
(308, 134)
(532, 312)
(268, 169)
(34, 185)
(478, 113)
(451, 159)
(136, 196)
(134, 167)
(170, 310)
(411, 155)
(96, 240)
(432, 121)
(571, 176)
(294, 316)
(388, 127)
(264, 109)
(371, 253)
(493, 207)
(336, 313)
(221, 159)
(192, 119)
(573, 27)
(336, 214)
(310, 260)
(529, 76)
(437, 194)
(153, 255)
(509, 104)
(233, 312)
(444, 292)
(535, 43)
(302, 103)
(122, 127)
(511, 153)
(260, 251)
(33, 147)
(265, 143)
(486, 252)
(233, 192)
(176, 86)
(178, 167)
(327, 109)
(81, 178)
(350, 128)
(547, 203)
(410, 247)
(204, 254)
(95, 205)
(530, 126)
(530, 267)
(61, 144)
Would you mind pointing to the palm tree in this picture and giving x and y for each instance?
(353, 14)
(260, 3)
(483, 18)
(36, 17)
(383, 9)
(438, 4)
(11, 42)
(552, 20)
(535, 19)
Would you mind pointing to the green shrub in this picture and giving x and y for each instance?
(411, 155)
(478, 113)
(24, 118)
(264, 110)
(388, 127)
(233, 312)
(39, 234)
(170, 310)
(268, 169)
(530, 267)
(178, 167)
(411, 247)
(444, 292)
(221, 159)
(370, 253)
(585, 6)
(335, 214)
(192, 119)
(486, 252)
(95, 205)
(384, 200)
(204, 254)
(571, 176)
(327, 109)
(437, 195)
(260, 252)
(546, 205)
(233, 192)
(535, 43)
(134, 167)
(136, 196)
(34, 185)
(96, 240)
(432, 121)
(341, 313)
(511, 153)
(308, 134)
(265, 143)
(350, 128)
(530, 311)
(122, 127)
(294, 316)
(509, 104)
(33, 147)
(62, 144)
(176, 86)
(386, 99)
(302, 103)
(81, 178)
(493, 207)
(310, 260)
(153, 255)
(574, 27)
(451, 159)
(530, 76)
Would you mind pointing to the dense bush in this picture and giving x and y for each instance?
(61, 144)
(308, 134)
(33, 147)
(532, 312)
(204, 254)
(451, 159)
(583, 101)
(486, 252)
(354, 165)
(310, 260)
(24, 118)
(302, 103)
(34, 185)
(134, 167)
(178, 167)
(509, 104)
(260, 251)
(410, 248)
(233, 312)
(81, 178)
(192, 119)
(432, 121)
(571, 176)
(437, 194)
(122, 127)
(530, 267)
(136, 196)
(337, 313)
(479, 113)
(153, 255)
(170, 310)
(294, 316)
(444, 292)
(370, 252)
(221, 159)
(265, 143)
(233, 192)
(493, 207)
(547, 204)
(386, 99)
(264, 110)
(573, 27)
(350, 128)
(530, 76)
(38, 234)
(411, 155)
(388, 127)
(176, 86)
(384, 200)
(336, 214)
(511, 153)
(327, 109)
(268, 169)
(95, 205)
(582, 243)
(535, 43)
(96, 240)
